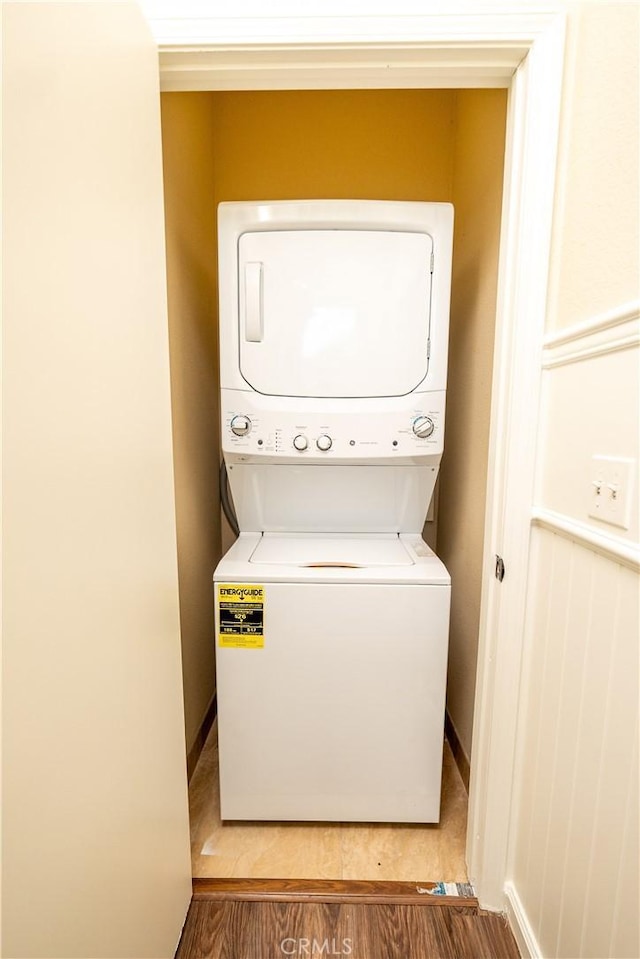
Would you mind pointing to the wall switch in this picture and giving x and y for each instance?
(610, 497)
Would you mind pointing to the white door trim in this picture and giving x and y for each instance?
(472, 48)
(498, 44)
(532, 134)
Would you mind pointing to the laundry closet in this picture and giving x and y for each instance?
(430, 145)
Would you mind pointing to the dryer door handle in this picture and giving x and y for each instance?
(253, 317)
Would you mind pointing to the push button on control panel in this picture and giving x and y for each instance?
(324, 443)
(300, 442)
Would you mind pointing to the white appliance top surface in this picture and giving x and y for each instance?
(393, 559)
(331, 550)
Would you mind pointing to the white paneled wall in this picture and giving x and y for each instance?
(574, 855)
(575, 862)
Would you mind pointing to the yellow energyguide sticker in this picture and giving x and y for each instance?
(241, 609)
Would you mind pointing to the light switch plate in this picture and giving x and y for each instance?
(611, 482)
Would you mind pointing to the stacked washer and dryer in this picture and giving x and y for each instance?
(332, 613)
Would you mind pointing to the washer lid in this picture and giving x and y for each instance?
(334, 313)
(326, 551)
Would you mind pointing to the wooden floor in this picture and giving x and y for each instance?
(272, 930)
(374, 851)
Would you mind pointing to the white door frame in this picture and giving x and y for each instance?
(472, 45)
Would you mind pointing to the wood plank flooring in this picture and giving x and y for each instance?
(272, 930)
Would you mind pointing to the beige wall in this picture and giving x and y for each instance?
(595, 238)
(189, 152)
(575, 852)
(480, 118)
(95, 826)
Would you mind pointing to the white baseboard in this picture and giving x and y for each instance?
(520, 926)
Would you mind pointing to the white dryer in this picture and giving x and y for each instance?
(331, 612)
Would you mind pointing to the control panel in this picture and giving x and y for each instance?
(356, 434)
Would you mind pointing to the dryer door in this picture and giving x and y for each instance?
(334, 313)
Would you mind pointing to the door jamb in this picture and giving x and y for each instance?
(525, 249)
(458, 50)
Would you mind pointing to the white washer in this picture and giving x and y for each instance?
(332, 614)
(337, 714)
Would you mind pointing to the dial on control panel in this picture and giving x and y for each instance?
(423, 426)
(324, 443)
(240, 425)
(300, 442)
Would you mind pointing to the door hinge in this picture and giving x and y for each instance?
(431, 261)
(499, 568)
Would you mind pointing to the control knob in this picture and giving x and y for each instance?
(423, 426)
(240, 425)
(324, 442)
(300, 442)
